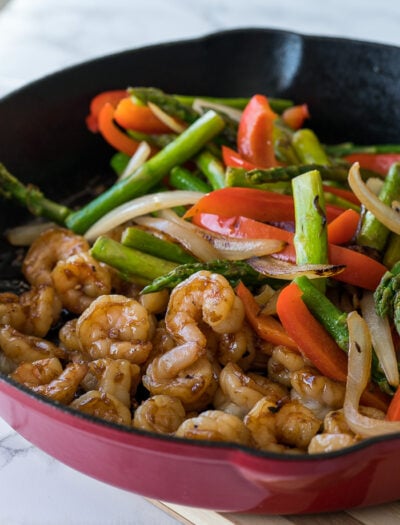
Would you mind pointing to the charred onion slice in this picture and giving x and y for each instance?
(275, 268)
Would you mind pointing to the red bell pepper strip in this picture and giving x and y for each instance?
(260, 205)
(295, 116)
(232, 159)
(112, 134)
(342, 229)
(255, 133)
(139, 118)
(361, 270)
(378, 162)
(265, 326)
(311, 337)
(393, 412)
(111, 97)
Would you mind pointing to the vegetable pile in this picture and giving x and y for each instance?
(306, 234)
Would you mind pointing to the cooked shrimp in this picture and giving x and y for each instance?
(244, 390)
(207, 297)
(80, 279)
(183, 372)
(162, 414)
(261, 423)
(330, 442)
(296, 425)
(117, 327)
(33, 312)
(118, 377)
(64, 387)
(21, 347)
(38, 372)
(104, 406)
(319, 393)
(69, 338)
(282, 363)
(53, 245)
(238, 347)
(215, 425)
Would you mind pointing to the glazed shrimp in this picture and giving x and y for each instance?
(38, 372)
(117, 377)
(63, 388)
(206, 297)
(117, 327)
(80, 279)
(21, 347)
(245, 390)
(104, 406)
(319, 393)
(33, 312)
(53, 245)
(161, 414)
(238, 347)
(282, 363)
(330, 442)
(261, 423)
(184, 373)
(215, 425)
(296, 425)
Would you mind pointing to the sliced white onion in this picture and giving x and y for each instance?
(166, 119)
(385, 214)
(374, 184)
(137, 159)
(189, 239)
(201, 105)
(358, 374)
(141, 206)
(26, 234)
(234, 249)
(381, 336)
(271, 267)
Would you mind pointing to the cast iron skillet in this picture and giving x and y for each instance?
(353, 92)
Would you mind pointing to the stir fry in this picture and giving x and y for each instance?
(239, 281)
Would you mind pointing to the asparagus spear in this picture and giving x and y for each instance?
(233, 271)
(31, 197)
(146, 242)
(183, 179)
(335, 323)
(128, 261)
(392, 251)
(372, 232)
(212, 168)
(347, 148)
(277, 104)
(150, 173)
(386, 295)
(308, 147)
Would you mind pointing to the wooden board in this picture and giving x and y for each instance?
(388, 514)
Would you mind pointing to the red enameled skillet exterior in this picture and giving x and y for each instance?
(43, 139)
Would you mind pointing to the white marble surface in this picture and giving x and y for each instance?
(41, 36)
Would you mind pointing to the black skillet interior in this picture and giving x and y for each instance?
(352, 89)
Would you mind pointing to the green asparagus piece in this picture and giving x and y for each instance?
(308, 147)
(335, 323)
(392, 250)
(233, 271)
(283, 147)
(150, 173)
(160, 140)
(31, 198)
(277, 104)
(386, 292)
(347, 148)
(146, 242)
(310, 238)
(183, 179)
(119, 162)
(372, 232)
(128, 261)
(212, 168)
